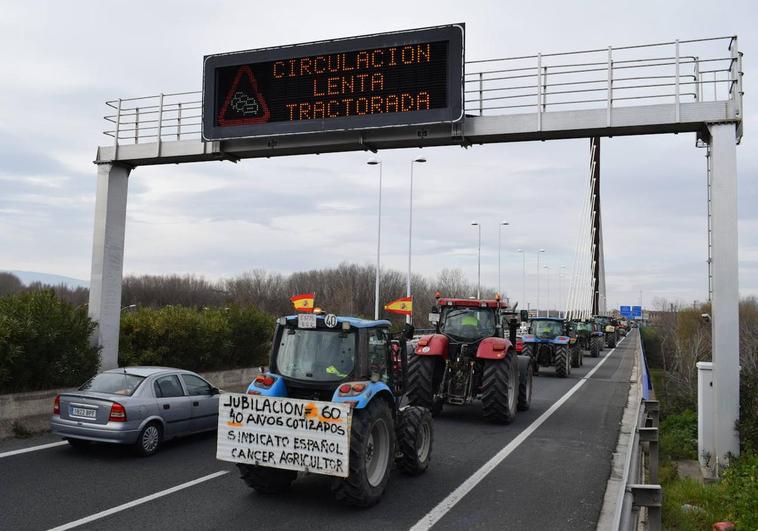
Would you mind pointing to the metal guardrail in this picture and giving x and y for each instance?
(695, 70)
(641, 488)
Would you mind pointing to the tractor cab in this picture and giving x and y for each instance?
(312, 355)
(548, 329)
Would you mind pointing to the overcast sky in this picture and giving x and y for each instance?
(62, 60)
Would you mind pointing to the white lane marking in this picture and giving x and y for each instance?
(442, 508)
(32, 449)
(140, 501)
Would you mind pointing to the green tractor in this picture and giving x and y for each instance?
(608, 327)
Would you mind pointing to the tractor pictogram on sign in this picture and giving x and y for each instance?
(244, 104)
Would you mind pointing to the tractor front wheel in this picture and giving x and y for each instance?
(525, 374)
(562, 361)
(528, 350)
(499, 389)
(372, 448)
(414, 440)
(421, 383)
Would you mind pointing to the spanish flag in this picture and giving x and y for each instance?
(304, 302)
(402, 306)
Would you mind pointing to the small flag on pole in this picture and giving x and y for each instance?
(303, 302)
(402, 306)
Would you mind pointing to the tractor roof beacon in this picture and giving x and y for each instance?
(354, 361)
(471, 356)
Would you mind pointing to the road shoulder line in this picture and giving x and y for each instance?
(32, 449)
(442, 508)
(616, 484)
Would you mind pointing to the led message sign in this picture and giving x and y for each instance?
(391, 79)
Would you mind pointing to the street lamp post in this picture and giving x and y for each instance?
(523, 275)
(538, 280)
(408, 318)
(499, 284)
(478, 261)
(547, 302)
(375, 162)
(562, 301)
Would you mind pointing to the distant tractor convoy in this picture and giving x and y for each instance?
(393, 394)
(358, 401)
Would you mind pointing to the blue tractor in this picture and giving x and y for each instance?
(354, 361)
(549, 343)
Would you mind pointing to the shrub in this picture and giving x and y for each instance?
(740, 483)
(679, 436)
(44, 343)
(732, 499)
(748, 422)
(651, 342)
(199, 339)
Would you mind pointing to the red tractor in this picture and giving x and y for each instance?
(471, 356)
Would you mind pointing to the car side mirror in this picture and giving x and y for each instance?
(524, 315)
(409, 331)
(215, 391)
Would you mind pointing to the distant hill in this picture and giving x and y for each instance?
(27, 277)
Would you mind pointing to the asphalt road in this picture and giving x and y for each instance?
(553, 477)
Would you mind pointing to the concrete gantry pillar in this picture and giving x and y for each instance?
(725, 305)
(108, 259)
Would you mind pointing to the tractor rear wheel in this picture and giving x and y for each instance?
(372, 448)
(266, 480)
(595, 347)
(499, 389)
(562, 361)
(414, 440)
(524, 383)
(421, 388)
(576, 356)
(610, 341)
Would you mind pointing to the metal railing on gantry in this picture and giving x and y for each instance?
(680, 71)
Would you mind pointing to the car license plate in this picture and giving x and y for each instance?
(83, 412)
(306, 320)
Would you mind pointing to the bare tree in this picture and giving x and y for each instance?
(9, 284)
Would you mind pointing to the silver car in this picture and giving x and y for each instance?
(139, 406)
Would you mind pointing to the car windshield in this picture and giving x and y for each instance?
(468, 323)
(583, 327)
(547, 329)
(316, 354)
(603, 320)
(113, 383)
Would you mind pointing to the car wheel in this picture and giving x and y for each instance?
(149, 440)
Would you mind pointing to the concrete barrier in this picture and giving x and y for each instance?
(30, 412)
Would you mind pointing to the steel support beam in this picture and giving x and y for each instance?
(598, 263)
(108, 259)
(725, 307)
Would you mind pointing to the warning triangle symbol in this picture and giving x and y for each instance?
(244, 104)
